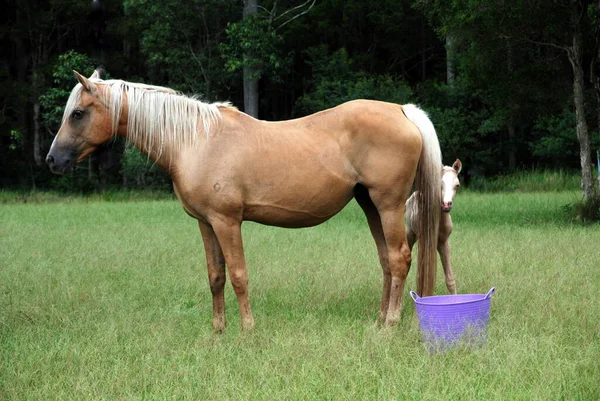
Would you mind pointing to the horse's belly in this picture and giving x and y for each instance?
(300, 212)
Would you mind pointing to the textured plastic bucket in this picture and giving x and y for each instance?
(448, 320)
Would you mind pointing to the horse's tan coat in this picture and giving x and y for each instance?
(295, 173)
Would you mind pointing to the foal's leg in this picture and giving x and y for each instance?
(411, 237)
(215, 262)
(377, 232)
(444, 251)
(229, 234)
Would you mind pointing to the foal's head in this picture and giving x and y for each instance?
(86, 125)
(450, 184)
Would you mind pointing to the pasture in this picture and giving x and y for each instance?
(110, 301)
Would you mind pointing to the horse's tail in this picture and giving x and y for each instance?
(428, 185)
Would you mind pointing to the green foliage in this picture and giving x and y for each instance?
(179, 41)
(585, 211)
(141, 173)
(510, 96)
(557, 140)
(54, 99)
(253, 43)
(334, 82)
(462, 125)
(505, 77)
(16, 140)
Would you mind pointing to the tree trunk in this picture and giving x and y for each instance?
(250, 81)
(37, 135)
(512, 137)
(512, 153)
(423, 51)
(450, 67)
(595, 80)
(575, 57)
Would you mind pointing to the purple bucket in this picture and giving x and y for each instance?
(449, 320)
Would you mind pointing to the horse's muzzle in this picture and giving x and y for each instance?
(447, 206)
(60, 163)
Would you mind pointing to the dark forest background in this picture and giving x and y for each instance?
(508, 84)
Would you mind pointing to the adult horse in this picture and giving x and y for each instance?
(228, 167)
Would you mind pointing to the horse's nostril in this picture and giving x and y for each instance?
(49, 160)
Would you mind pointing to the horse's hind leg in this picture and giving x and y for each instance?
(386, 220)
(399, 258)
(363, 199)
(215, 263)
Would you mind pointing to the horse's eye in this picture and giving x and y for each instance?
(77, 114)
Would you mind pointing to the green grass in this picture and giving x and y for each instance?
(119, 195)
(110, 301)
(529, 181)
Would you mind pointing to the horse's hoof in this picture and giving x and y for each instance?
(391, 320)
(248, 324)
(218, 326)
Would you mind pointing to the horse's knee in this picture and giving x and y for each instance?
(239, 280)
(217, 283)
(400, 260)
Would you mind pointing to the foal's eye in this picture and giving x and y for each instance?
(77, 114)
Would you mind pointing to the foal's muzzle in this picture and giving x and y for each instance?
(60, 162)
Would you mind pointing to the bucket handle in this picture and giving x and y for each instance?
(414, 296)
(490, 293)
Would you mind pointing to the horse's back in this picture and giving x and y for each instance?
(302, 172)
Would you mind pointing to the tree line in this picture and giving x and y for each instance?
(508, 84)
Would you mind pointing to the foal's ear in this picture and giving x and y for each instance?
(99, 73)
(86, 83)
(457, 166)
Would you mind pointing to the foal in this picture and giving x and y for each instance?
(450, 184)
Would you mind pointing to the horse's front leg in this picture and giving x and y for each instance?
(229, 234)
(215, 263)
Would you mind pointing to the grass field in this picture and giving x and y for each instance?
(110, 301)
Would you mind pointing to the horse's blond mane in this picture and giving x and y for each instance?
(158, 117)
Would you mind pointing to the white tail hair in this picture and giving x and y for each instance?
(429, 198)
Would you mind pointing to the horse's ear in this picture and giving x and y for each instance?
(98, 73)
(86, 83)
(457, 166)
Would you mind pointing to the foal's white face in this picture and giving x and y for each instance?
(450, 184)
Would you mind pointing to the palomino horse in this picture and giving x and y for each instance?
(228, 167)
(450, 184)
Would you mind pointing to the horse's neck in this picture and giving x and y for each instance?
(163, 138)
(162, 153)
